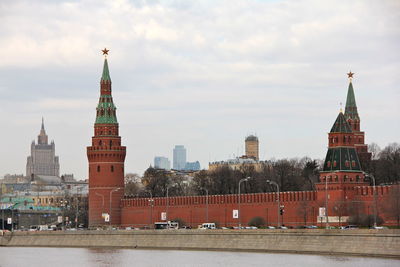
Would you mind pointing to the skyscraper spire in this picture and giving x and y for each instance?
(42, 137)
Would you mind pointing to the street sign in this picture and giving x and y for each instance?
(9, 221)
(235, 214)
(107, 218)
(163, 216)
(59, 219)
(321, 211)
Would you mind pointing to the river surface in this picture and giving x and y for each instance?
(72, 257)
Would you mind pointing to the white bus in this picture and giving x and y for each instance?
(166, 225)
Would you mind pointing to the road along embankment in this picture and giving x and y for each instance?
(357, 242)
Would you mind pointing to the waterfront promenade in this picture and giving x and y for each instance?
(357, 242)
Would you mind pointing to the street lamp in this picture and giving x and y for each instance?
(77, 206)
(112, 191)
(240, 215)
(375, 203)
(326, 203)
(278, 199)
(151, 203)
(63, 203)
(12, 216)
(206, 203)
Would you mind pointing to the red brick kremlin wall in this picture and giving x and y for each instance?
(300, 208)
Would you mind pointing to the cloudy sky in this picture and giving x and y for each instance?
(203, 74)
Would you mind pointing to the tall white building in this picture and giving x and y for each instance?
(179, 162)
(42, 160)
(162, 163)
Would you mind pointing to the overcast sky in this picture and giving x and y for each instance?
(203, 74)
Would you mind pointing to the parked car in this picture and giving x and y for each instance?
(207, 226)
(271, 227)
(350, 226)
(379, 227)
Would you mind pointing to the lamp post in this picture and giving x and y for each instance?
(326, 203)
(240, 215)
(12, 216)
(278, 199)
(111, 192)
(151, 203)
(375, 203)
(63, 205)
(77, 206)
(206, 203)
(166, 213)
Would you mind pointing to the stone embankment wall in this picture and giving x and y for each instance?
(379, 243)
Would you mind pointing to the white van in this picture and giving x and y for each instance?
(207, 226)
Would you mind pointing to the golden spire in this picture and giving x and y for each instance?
(341, 109)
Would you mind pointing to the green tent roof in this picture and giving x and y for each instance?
(106, 73)
(341, 125)
(342, 159)
(351, 106)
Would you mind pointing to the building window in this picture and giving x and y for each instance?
(112, 168)
(347, 163)
(353, 163)
(328, 164)
(334, 163)
(98, 168)
(357, 178)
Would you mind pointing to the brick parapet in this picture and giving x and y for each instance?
(221, 199)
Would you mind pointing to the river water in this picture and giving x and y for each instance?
(72, 257)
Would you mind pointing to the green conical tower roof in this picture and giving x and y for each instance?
(351, 106)
(106, 73)
(341, 125)
(106, 110)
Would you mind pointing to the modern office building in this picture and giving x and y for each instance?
(179, 161)
(42, 160)
(162, 163)
(192, 166)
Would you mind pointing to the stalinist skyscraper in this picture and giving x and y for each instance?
(42, 160)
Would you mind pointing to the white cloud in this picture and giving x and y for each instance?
(201, 73)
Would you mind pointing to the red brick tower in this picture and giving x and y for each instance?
(342, 172)
(106, 159)
(352, 117)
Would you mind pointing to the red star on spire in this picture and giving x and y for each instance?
(350, 74)
(105, 51)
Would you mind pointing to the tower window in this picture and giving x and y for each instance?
(110, 143)
(328, 164)
(334, 163)
(112, 168)
(98, 168)
(353, 163)
(100, 143)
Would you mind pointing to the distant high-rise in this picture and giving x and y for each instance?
(192, 166)
(42, 160)
(162, 163)
(179, 162)
(252, 147)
